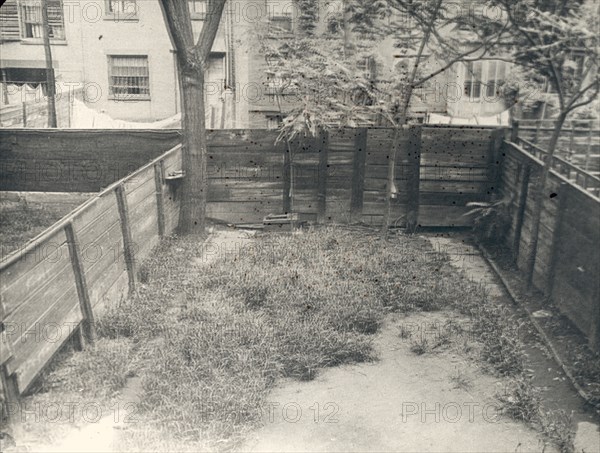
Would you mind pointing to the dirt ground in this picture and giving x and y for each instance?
(402, 403)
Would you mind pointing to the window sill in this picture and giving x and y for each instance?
(278, 34)
(117, 18)
(130, 98)
(40, 42)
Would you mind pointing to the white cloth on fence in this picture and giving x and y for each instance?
(501, 119)
(87, 118)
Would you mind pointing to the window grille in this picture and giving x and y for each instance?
(129, 77)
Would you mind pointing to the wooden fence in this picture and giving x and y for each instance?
(73, 160)
(342, 176)
(567, 262)
(52, 288)
(34, 113)
(579, 142)
(573, 173)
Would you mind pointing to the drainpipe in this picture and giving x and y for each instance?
(50, 80)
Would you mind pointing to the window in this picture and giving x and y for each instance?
(129, 77)
(123, 9)
(31, 20)
(274, 121)
(484, 78)
(473, 80)
(197, 9)
(368, 68)
(9, 21)
(496, 73)
(277, 85)
(280, 15)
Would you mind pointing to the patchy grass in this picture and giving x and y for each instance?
(209, 340)
(19, 223)
(461, 380)
(520, 400)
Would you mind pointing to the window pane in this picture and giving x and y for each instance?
(122, 6)
(476, 90)
(491, 70)
(278, 8)
(129, 76)
(31, 20)
(501, 71)
(198, 7)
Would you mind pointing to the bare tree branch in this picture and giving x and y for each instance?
(210, 28)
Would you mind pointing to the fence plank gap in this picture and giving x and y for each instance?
(81, 283)
(128, 245)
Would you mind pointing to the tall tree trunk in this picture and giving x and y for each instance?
(539, 195)
(192, 215)
(50, 79)
(406, 98)
(347, 15)
(192, 61)
(391, 176)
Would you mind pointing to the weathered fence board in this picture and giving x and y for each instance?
(64, 160)
(567, 264)
(55, 284)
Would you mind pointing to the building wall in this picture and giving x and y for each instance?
(91, 35)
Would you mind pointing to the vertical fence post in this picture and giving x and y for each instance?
(514, 133)
(413, 178)
(287, 177)
(358, 174)
(556, 237)
(24, 114)
(523, 192)
(8, 383)
(10, 394)
(572, 139)
(89, 330)
(588, 150)
(128, 245)
(537, 131)
(323, 146)
(594, 335)
(160, 201)
(494, 162)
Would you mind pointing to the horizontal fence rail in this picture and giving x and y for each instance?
(577, 175)
(53, 286)
(578, 143)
